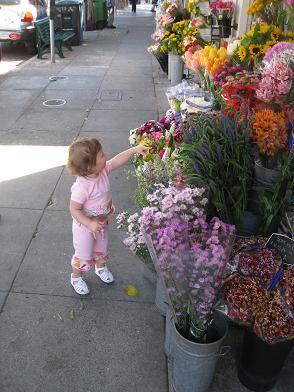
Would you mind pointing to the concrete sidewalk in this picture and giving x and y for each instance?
(112, 343)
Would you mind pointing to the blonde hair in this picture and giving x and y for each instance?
(82, 156)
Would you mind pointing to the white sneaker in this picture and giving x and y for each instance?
(104, 274)
(79, 285)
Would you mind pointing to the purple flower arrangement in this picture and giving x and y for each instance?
(210, 249)
(190, 254)
(166, 224)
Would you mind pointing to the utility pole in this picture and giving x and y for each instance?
(51, 25)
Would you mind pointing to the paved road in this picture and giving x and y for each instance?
(12, 56)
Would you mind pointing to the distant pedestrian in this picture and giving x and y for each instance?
(134, 5)
(110, 14)
(91, 207)
(154, 5)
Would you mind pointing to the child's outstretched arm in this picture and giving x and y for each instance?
(124, 156)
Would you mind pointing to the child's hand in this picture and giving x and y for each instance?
(140, 149)
(94, 225)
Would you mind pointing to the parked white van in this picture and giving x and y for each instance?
(17, 21)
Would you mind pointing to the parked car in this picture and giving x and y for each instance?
(17, 21)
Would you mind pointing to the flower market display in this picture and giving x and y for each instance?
(218, 178)
(259, 293)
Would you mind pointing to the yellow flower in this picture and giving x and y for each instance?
(222, 53)
(207, 49)
(212, 53)
(266, 47)
(249, 33)
(242, 53)
(277, 30)
(264, 28)
(255, 49)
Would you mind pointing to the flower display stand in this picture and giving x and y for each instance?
(205, 33)
(225, 26)
(193, 364)
(260, 363)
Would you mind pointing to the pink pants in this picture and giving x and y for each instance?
(88, 250)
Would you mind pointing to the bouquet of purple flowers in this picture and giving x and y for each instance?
(189, 254)
(210, 250)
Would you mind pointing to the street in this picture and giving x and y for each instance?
(11, 56)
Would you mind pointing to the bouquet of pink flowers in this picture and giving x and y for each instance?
(166, 224)
(151, 134)
(276, 84)
(210, 250)
(220, 7)
(190, 254)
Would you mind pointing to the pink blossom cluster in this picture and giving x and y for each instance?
(158, 35)
(210, 250)
(191, 254)
(167, 222)
(219, 78)
(283, 51)
(171, 118)
(197, 22)
(166, 20)
(134, 240)
(276, 82)
(221, 5)
(186, 203)
(290, 3)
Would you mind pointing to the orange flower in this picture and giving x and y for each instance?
(269, 130)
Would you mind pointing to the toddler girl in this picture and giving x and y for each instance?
(91, 207)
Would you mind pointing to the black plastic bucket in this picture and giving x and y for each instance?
(260, 363)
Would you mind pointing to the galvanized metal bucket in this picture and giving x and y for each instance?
(193, 364)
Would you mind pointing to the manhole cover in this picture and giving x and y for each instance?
(54, 102)
(54, 78)
(110, 95)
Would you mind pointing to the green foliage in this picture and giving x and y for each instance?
(275, 198)
(141, 192)
(155, 171)
(216, 154)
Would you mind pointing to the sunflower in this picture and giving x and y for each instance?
(264, 28)
(242, 53)
(266, 47)
(255, 49)
(277, 30)
(274, 36)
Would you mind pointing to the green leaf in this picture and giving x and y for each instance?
(72, 315)
(131, 291)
